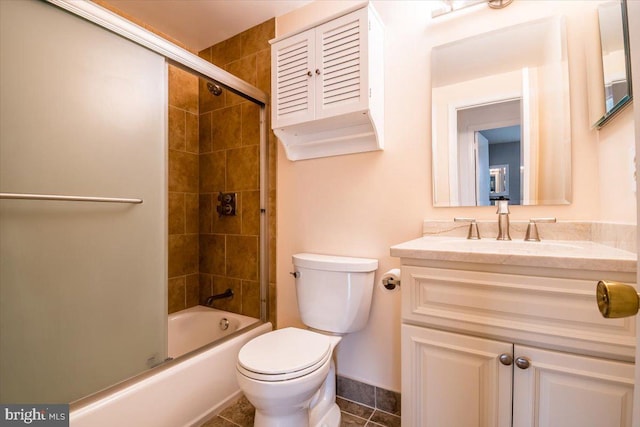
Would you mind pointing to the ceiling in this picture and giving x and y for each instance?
(202, 23)
(502, 135)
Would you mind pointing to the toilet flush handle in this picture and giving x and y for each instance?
(295, 274)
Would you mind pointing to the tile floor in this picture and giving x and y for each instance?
(240, 414)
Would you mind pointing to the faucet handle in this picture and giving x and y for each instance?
(474, 233)
(532, 229)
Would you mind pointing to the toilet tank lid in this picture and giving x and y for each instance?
(334, 263)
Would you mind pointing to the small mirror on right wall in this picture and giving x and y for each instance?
(616, 66)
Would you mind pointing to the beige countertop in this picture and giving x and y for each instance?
(564, 254)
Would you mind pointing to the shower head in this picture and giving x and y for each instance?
(214, 88)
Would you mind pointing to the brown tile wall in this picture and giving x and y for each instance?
(214, 146)
(183, 283)
(184, 182)
(229, 162)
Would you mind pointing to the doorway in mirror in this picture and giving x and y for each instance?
(489, 153)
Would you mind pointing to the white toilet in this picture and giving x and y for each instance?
(289, 374)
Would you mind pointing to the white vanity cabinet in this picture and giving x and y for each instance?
(328, 87)
(502, 346)
(569, 390)
(451, 379)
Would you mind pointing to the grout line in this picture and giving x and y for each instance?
(356, 402)
(375, 393)
(388, 413)
(226, 419)
(366, 420)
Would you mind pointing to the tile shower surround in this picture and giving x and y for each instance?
(183, 283)
(214, 147)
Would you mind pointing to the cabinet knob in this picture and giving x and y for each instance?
(318, 71)
(309, 73)
(522, 362)
(616, 299)
(506, 359)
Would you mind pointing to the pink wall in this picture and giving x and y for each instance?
(362, 204)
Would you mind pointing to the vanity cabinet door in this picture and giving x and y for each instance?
(566, 390)
(450, 379)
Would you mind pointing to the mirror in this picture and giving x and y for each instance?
(500, 117)
(616, 66)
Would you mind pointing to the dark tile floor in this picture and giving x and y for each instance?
(240, 414)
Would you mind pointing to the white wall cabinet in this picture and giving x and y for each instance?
(490, 349)
(328, 87)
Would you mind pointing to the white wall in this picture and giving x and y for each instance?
(362, 204)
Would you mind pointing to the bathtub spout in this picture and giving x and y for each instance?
(226, 294)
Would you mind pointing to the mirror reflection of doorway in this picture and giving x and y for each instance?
(490, 149)
(504, 153)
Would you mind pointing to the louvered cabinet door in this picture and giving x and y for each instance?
(292, 64)
(341, 65)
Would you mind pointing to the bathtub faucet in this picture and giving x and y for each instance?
(226, 294)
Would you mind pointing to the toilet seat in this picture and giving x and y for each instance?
(284, 354)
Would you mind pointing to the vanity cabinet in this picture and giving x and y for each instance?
(328, 87)
(493, 349)
(452, 379)
(564, 389)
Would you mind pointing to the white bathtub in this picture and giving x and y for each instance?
(197, 326)
(186, 391)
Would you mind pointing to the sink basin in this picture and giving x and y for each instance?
(503, 246)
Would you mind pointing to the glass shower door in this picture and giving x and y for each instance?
(82, 283)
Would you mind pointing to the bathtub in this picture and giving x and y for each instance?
(186, 391)
(197, 326)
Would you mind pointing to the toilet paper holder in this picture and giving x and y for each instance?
(390, 283)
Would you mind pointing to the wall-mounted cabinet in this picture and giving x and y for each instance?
(328, 87)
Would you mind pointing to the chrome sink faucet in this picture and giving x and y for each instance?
(503, 219)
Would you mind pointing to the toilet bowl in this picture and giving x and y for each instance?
(289, 377)
(289, 374)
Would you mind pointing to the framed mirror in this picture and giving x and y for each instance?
(502, 98)
(616, 65)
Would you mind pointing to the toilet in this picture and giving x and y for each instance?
(289, 374)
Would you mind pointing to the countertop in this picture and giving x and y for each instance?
(565, 254)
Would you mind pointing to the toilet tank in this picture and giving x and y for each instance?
(334, 292)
